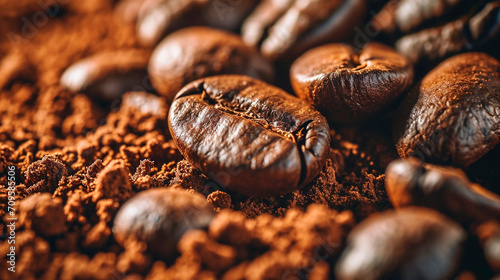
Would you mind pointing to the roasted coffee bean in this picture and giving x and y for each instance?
(411, 243)
(159, 217)
(468, 25)
(249, 136)
(198, 52)
(227, 14)
(453, 115)
(410, 182)
(289, 27)
(156, 17)
(348, 87)
(108, 75)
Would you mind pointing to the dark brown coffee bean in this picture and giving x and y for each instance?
(434, 29)
(249, 136)
(453, 115)
(348, 87)
(289, 27)
(198, 52)
(156, 18)
(159, 217)
(108, 75)
(411, 243)
(410, 182)
(433, 43)
(227, 14)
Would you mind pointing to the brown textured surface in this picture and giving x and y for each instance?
(78, 159)
(453, 115)
(349, 87)
(351, 179)
(136, 136)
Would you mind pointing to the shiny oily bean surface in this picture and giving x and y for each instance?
(197, 52)
(349, 87)
(249, 136)
(453, 115)
(410, 243)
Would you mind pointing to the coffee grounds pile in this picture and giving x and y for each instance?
(77, 160)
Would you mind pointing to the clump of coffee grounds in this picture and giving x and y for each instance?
(298, 245)
(77, 162)
(91, 174)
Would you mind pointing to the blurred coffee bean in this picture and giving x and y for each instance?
(198, 52)
(107, 75)
(489, 237)
(156, 17)
(453, 115)
(249, 136)
(284, 27)
(410, 14)
(350, 87)
(446, 189)
(227, 14)
(159, 217)
(411, 243)
(433, 29)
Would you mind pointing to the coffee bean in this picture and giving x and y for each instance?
(157, 17)
(410, 182)
(159, 217)
(198, 52)
(348, 87)
(411, 243)
(453, 115)
(288, 28)
(249, 136)
(227, 14)
(435, 29)
(108, 75)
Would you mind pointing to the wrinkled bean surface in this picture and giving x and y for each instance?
(348, 87)
(453, 115)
